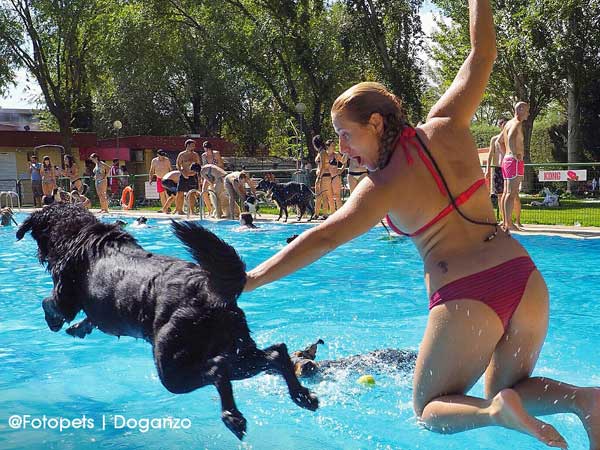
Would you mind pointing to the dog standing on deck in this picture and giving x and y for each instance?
(290, 194)
(187, 311)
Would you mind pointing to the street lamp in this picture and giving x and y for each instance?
(117, 125)
(301, 109)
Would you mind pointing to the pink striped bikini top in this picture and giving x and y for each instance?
(407, 137)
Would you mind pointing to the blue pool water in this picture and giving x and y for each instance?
(366, 295)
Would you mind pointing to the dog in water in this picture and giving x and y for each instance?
(187, 311)
(375, 361)
(6, 217)
(290, 194)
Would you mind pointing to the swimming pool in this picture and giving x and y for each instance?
(366, 295)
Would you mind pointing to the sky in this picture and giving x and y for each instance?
(26, 90)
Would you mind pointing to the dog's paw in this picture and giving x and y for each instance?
(305, 399)
(235, 422)
(80, 329)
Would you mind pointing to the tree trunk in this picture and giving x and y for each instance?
(64, 124)
(530, 174)
(574, 126)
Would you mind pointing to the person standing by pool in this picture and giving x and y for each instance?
(488, 302)
(34, 170)
(188, 179)
(333, 157)
(323, 188)
(493, 167)
(72, 172)
(213, 177)
(159, 167)
(48, 176)
(513, 166)
(101, 171)
(356, 173)
(235, 185)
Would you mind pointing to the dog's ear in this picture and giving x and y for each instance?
(24, 228)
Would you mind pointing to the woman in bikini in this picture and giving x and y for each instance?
(323, 188)
(488, 302)
(333, 157)
(48, 176)
(100, 174)
(72, 172)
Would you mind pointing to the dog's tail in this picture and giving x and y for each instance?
(226, 268)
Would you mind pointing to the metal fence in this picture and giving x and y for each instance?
(578, 200)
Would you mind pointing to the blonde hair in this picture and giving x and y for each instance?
(364, 99)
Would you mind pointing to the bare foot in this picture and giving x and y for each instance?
(508, 411)
(589, 406)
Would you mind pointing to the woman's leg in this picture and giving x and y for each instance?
(318, 197)
(206, 196)
(515, 357)
(102, 187)
(46, 188)
(447, 368)
(231, 192)
(336, 185)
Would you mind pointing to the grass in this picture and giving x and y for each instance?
(569, 213)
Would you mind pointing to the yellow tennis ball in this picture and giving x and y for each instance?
(367, 380)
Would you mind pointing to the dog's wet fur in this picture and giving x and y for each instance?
(382, 360)
(290, 194)
(187, 311)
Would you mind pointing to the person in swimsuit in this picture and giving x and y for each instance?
(72, 172)
(235, 185)
(333, 157)
(210, 156)
(356, 173)
(159, 167)
(323, 188)
(188, 179)
(488, 302)
(513, 166)
(214, 176)
(101, 171)
(48, 176)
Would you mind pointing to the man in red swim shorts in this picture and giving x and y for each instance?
(513, 166)
(159, 167)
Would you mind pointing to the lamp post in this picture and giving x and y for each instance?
(117, 125)
(301, 109)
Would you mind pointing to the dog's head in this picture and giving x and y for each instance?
(55, 224)
(265, 185)
(251, 204)
(5, 216)
(141, 220)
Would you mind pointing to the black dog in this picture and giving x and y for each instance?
(187, 311)
(290, 194)
(375, 361)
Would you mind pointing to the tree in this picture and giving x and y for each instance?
(53, 40)
(384, 37)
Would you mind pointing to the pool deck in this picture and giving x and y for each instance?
(530, 229)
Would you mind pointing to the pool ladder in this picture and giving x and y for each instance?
(190, 207)
(9, 199)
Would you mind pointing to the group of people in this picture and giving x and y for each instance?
(505, 167)
(331, 165)
(204, 174)
(44, 181)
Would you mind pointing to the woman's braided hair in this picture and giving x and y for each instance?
(364, 99)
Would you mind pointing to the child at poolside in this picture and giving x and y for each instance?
(488, 302)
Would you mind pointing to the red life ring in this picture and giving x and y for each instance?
(127, 198)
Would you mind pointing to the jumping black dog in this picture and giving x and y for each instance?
(290, 194)
(187, 311)
(375, 361)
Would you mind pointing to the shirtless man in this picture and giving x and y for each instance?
(513, 167)
(188, 179)
(493, 168)
(159, 167)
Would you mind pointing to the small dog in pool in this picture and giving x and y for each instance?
(187, 311)
(375, 361)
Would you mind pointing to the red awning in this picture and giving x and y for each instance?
(106, 153)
